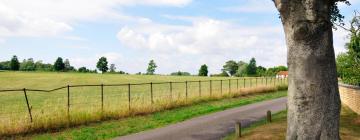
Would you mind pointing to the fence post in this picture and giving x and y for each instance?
(28, 106)
(199, 88)
(268, 116)
(229, 86)
(102, 99)
(237, 84)
(266, 81)
(68, 102)
(256, 82)
(170, 89)
(151, 93)
(221, 87)
(129, 96)
(210, 88)
(274, 81)
(186, 90)
(251, 82)
(238, 129)
(244, 82)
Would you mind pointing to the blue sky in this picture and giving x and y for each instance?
(177, 34)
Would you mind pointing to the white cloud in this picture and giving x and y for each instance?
(54, 17)
(206, 41)
(252, 6)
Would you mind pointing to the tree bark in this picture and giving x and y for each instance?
(313, 95)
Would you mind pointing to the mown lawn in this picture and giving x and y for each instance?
(114, 128)
(349, 127)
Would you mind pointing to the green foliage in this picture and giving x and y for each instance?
(203, 71)
(261, 71)
(102, 65)
(180, 73)
(14, 63)
(59, 64)
(231, 67)
(274, 70)
(222, 74)
(28, 65)
(151, 68)
(336, 17)
(251, 68)
(5, 65)
(241, 71)
(112, 68)
(348, 64)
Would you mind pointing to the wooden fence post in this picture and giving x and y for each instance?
(266, 81)
(170, 89)
(68, 102)
(151, 93)
(256, 82)
(186, 90)
(229, 86)
(238, 129)
(129, 96)
(221, 87)
(268, 116)
(210, 88)
(237, 84)
(28, 106)
(251, 82)
(102, 99)
(244, 82)
(199, 88)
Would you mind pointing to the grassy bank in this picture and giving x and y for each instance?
(113, 128)
(349, 127)
(56, 110)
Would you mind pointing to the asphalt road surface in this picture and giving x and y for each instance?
(213, 126)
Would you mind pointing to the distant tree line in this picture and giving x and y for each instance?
(242, 69)
(230, 68)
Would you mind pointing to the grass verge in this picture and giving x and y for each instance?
(349, 127)
(114, 128)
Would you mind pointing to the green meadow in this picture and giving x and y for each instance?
(58, 109)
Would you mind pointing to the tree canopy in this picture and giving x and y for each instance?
(102, 65)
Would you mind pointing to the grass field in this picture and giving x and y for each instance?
(50, 110)
(349, 127)
(114, 128)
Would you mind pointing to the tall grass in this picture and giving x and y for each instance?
(56, 118)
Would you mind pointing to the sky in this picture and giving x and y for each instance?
(179, 35)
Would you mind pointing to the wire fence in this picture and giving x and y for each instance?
(70, 101)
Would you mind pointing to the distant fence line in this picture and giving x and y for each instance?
(267, 81)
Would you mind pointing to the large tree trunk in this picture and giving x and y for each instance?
(313, 96)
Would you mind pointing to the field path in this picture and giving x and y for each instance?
(212, 126)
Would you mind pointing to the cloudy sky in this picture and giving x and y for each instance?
(177, 34)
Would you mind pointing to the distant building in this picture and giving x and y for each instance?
(282, 74)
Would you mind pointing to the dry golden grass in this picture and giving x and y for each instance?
(57, 118)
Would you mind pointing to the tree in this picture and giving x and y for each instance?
(203, 70)
(251, 68)
(67, 65)
(230, 67)
(151, 67)
(241, 72)
(28, 65)
(180, 73)
(313, 95)
(59, 64)
(102, 65)
(83, 69)
(112, 68)
(260, 71)
(14, 63)
(348, 64)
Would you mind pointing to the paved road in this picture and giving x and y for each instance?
(212, 126)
